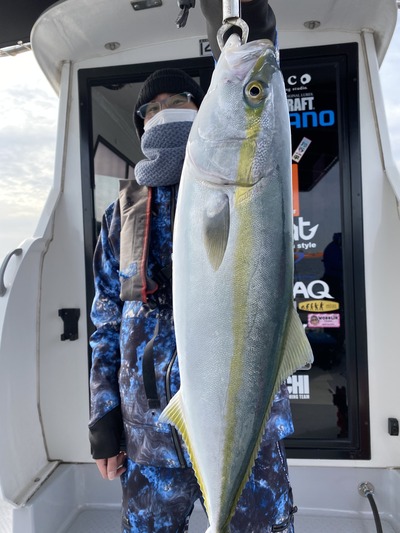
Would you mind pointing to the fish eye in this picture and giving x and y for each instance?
(254, 92)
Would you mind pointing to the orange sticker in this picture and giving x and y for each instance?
(295, 189)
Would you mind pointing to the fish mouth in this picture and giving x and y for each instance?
(218, 181)
(234, 142)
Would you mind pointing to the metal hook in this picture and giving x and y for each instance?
(233, 23)
(231, 19)
(230, 10)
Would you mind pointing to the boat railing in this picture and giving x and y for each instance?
(3, 268)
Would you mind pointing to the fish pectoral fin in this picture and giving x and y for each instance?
(216, 224)
(297, 350)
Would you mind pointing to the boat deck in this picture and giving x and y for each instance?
(76, 500)
(108, 521)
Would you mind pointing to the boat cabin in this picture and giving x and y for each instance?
(346, 192)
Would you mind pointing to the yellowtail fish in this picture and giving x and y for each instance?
(238, 334)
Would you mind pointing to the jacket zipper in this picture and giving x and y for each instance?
(174, 433)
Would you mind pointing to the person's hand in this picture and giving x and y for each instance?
(113, 466)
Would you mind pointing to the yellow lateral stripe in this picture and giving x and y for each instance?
(244, 248)
(242, 263)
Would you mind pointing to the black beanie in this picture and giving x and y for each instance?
(166, 80)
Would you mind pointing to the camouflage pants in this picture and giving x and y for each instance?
(161, 499)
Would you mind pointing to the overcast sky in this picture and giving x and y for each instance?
(28, 117)
(28, 120)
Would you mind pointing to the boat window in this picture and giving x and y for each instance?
(110, 166)
(328, 401)
(329, 413)
(110, 147)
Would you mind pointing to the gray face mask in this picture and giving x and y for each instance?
(164, 147)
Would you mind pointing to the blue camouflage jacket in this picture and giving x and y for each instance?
(129, 332)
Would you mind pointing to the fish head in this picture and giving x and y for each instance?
(243, 120)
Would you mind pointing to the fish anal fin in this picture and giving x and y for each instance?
(174, 414)
(216, 223)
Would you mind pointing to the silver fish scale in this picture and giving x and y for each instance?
(233, 288)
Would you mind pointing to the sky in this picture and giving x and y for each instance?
(28, 123)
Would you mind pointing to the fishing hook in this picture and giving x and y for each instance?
(233, 23)
(231, 19)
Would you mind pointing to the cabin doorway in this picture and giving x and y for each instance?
(329, 401)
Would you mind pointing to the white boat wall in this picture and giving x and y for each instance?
(96, 54)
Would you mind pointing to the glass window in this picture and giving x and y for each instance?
(328, 401)
(110, 166)
(324, 399)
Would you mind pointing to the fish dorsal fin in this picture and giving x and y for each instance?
(296, 353)
(216, 223)
(174, 414)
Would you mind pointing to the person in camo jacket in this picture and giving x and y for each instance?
(134, 369)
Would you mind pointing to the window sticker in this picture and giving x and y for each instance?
(323, 320)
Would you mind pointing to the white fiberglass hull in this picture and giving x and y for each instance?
(76, 500)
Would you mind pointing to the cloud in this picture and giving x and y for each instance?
(28, 110)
